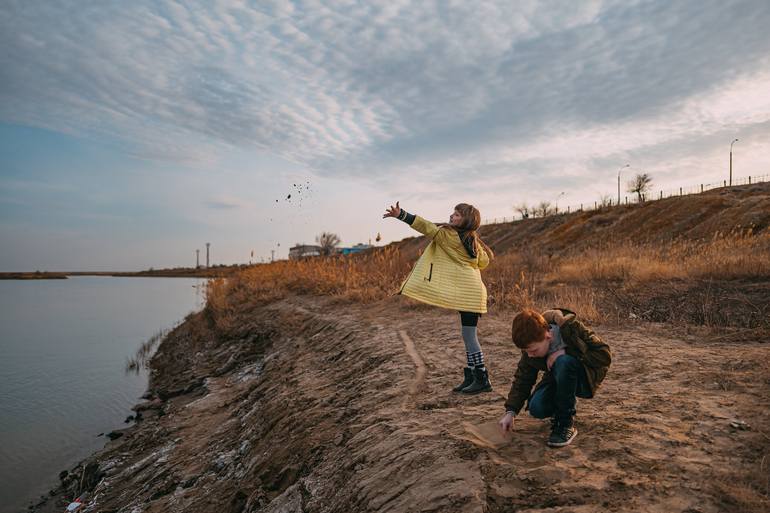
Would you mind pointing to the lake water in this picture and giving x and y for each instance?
(63, 351)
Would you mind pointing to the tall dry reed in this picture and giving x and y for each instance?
(515, 280)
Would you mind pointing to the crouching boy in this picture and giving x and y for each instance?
(574, 359)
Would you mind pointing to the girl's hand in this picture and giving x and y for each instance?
(392, 211)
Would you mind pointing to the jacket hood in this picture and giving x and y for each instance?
(559, 316)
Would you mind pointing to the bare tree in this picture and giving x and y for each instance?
(543, 209)
(523, 209)
(328, 241)
(605, 200)
(641, 184)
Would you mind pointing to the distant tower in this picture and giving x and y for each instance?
(207, 254)
(197, 258)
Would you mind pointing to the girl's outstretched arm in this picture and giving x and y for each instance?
(418, 223)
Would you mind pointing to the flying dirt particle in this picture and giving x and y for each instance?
(288, 197)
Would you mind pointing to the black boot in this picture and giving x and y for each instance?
(480, 382)
(468, 380)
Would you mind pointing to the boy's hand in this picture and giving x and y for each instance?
(552, 358)
(392, 211)
(506, 423)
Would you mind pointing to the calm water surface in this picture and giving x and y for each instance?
(63, 351)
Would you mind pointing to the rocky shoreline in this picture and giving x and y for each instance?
(309, 405)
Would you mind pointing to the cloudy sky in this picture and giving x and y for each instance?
(131, 133)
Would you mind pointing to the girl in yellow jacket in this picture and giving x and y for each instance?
(448, 275)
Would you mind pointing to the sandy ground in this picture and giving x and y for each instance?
(351, 409)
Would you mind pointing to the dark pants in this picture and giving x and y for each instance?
(469, 318)
(556, 396)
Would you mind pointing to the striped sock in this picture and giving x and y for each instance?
(476, 359)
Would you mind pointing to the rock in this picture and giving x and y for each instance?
(128, 419)
(154, 404)
(114, 435)
(187, 483)
(739, 424)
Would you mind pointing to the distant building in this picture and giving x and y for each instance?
(304, 251)
(355, 249)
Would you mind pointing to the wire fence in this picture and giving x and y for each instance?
(547, 209)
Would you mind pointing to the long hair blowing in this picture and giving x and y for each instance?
(469, 226)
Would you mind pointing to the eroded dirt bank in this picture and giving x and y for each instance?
(310, 406)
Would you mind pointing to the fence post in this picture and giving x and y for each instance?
(581, 207)
(680, 191)
(749, 180)
(701, 187)
(724, 183)
(626, 200)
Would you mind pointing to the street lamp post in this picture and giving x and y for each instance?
(731, 161)
(619, 170)
(556, 203)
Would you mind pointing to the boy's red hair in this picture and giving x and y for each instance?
(528, 327)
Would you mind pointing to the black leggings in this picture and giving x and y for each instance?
(469, 318)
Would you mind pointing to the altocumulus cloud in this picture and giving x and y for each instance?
(343, 87)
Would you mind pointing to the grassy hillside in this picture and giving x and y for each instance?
(701, 259)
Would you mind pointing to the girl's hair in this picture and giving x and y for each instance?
(467, 229)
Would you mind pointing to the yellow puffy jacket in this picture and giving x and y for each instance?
(445, 275)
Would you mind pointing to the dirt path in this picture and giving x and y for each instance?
(351, 409)
(658, 436)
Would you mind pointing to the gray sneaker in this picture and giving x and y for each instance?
(562, 435)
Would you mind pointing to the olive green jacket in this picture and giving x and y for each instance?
(582, 343)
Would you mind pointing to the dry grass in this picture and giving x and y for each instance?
(724, 257)
(514, 280)
(142, 357)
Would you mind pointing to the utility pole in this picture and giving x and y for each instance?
(197, 258)
(207, 254)
(731, 161)
(619, 170)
